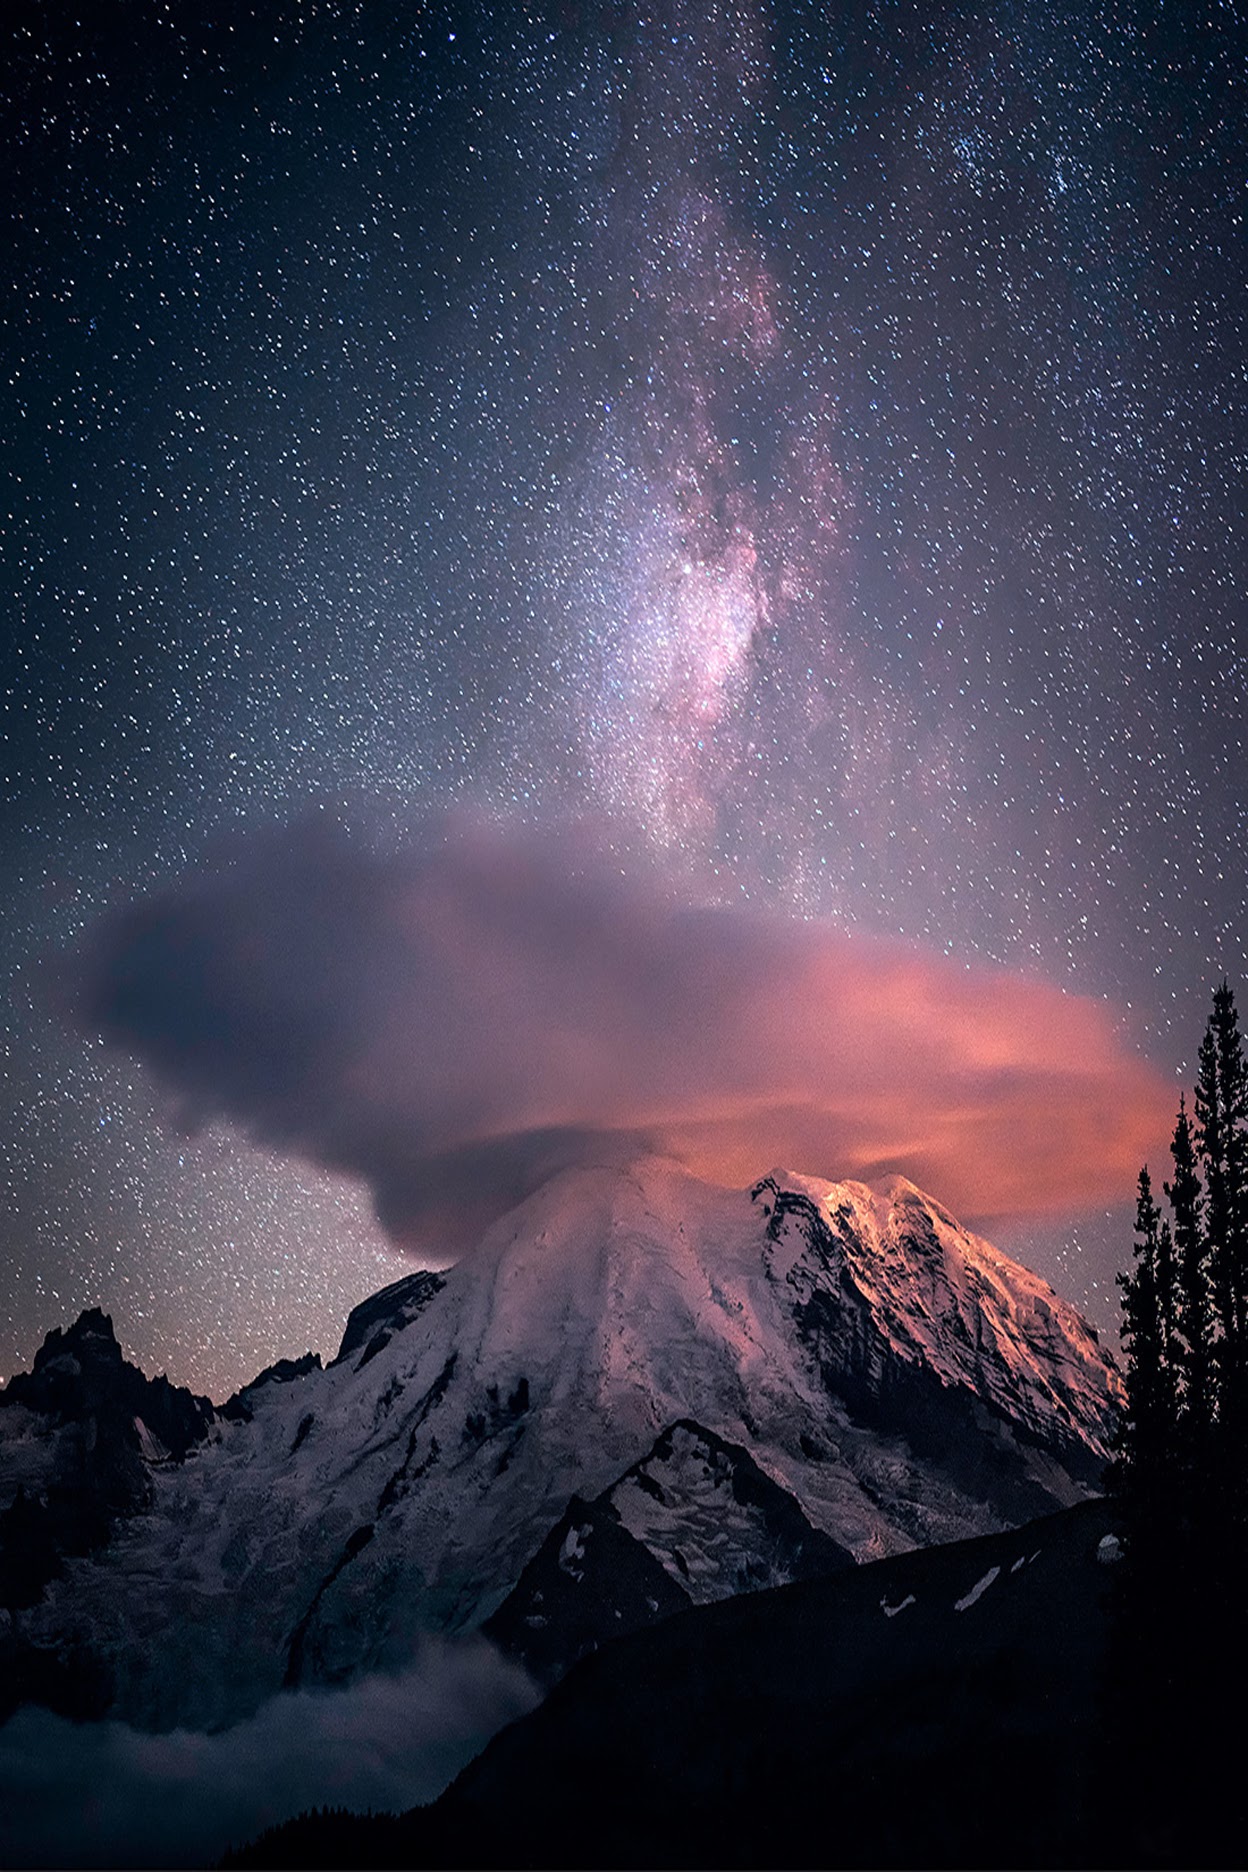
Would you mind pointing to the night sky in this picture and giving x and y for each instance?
(798, 451)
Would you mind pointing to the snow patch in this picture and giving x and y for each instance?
(572, 1552)
(977, 1590)
(891, 1611)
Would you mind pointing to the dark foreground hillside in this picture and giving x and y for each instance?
(942, 1708)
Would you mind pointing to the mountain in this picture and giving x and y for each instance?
(694, 1521)
(83, 1436)
(726, 1388)
(941, 1708)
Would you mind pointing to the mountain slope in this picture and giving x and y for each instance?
(896, 1378)
(696, 1520)
(938, 1708)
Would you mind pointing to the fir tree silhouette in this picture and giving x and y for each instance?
(1178, 1650)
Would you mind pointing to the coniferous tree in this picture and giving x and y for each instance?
(1144, 1439)
(1234, 1072)
(1222, 1135)
(1211, 1139)
(1195, 1311)
(1147, 1479)
(1168, 1315)
(1178, 1648)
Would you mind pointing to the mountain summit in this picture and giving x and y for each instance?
(697, 1389)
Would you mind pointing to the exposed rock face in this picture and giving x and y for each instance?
(696, 1520)
(81, 1374)
(82, 1428)
(241, 1407)
(923, 1329)
(736, 1385)
(373, 1324)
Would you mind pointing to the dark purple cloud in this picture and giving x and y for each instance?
(451, 1023)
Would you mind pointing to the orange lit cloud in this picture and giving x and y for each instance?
(452, 1024)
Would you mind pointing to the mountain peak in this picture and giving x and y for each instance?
(726, 1380)
(74, 1368)
(92, 1332)
(80, 1373)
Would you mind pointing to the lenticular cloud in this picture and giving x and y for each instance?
(454, 1022)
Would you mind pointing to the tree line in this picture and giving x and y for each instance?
(1180, 1452)
(1179, 1475)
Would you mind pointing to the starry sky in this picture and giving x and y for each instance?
(805, 443)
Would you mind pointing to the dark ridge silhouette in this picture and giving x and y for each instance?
(942, 1708)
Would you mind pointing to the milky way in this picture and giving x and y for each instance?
(809, 442)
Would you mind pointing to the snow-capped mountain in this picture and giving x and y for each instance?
(842, 1367)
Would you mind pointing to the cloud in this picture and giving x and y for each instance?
(103, 1794)
(453, 1022)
